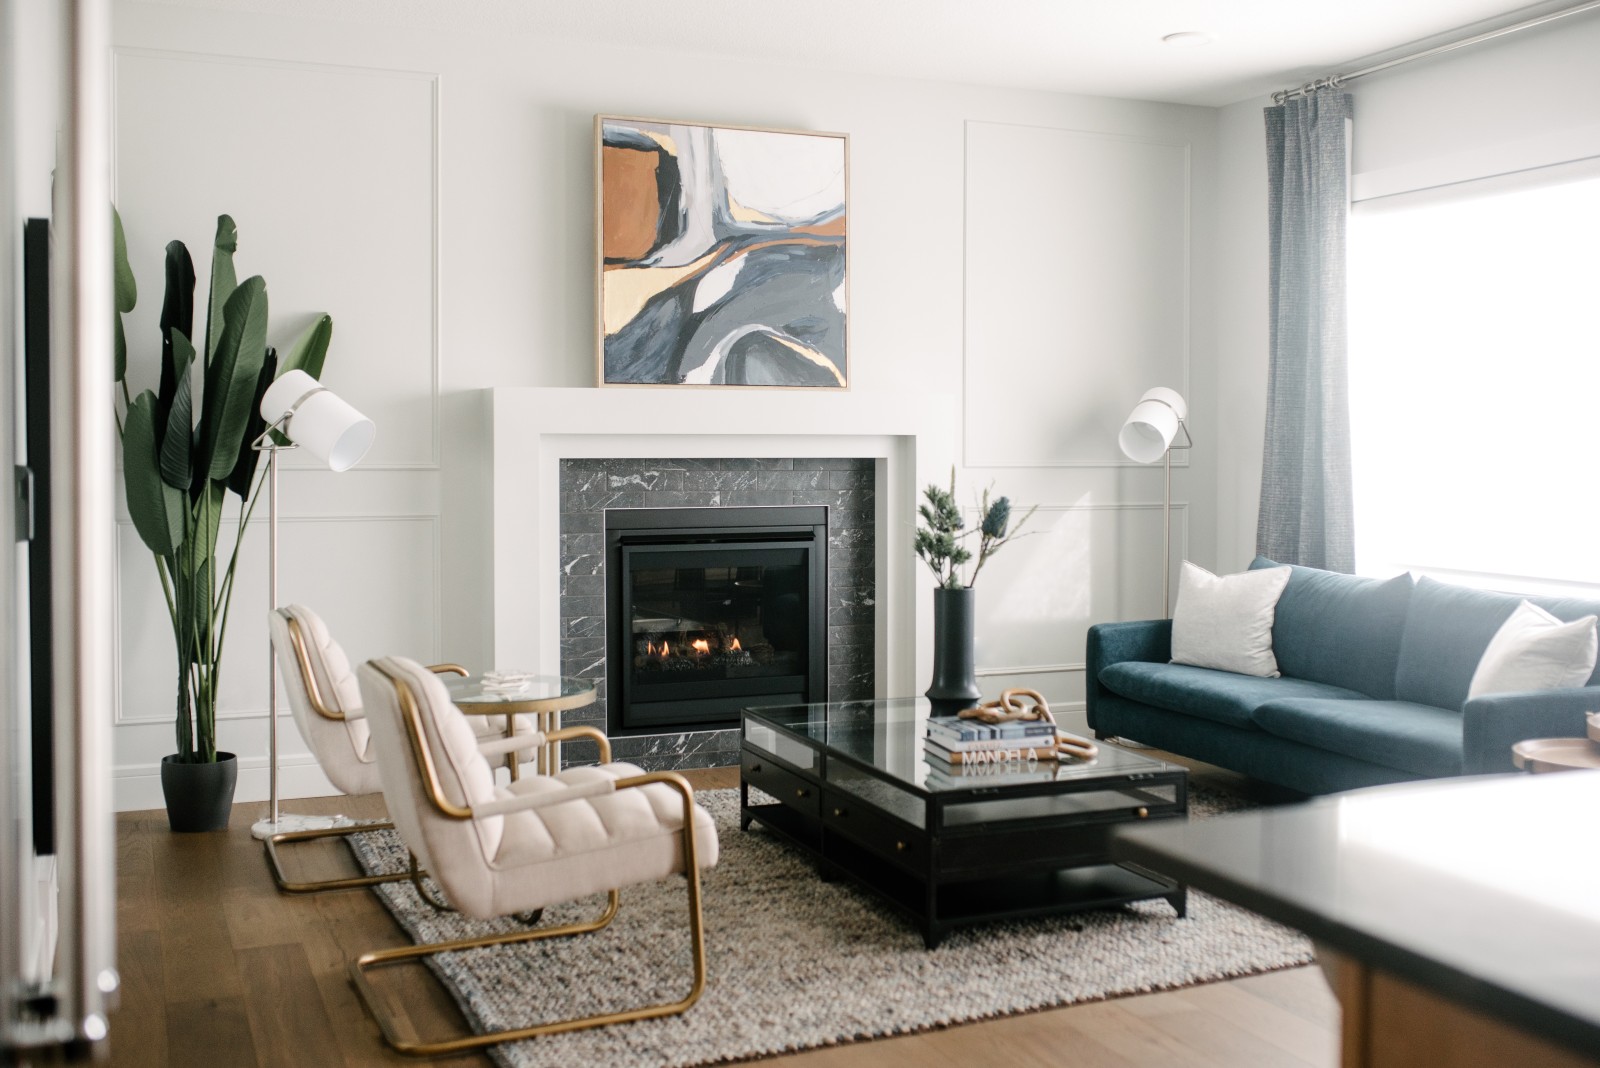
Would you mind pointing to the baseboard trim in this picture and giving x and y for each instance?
(137, 787)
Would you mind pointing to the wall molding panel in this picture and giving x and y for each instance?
(333, 174)
(348, 589)
(1030, 669)
(1077, 267)
(136, 787)
(1081, 566)
(330, 150)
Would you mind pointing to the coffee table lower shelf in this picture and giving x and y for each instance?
(941, 903)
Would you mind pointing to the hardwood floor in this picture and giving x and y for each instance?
(221, 970)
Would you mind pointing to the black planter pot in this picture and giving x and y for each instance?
(955, 683)
(199, 796)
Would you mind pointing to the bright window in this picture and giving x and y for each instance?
(1475, 381)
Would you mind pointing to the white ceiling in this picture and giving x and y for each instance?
(1099, 47)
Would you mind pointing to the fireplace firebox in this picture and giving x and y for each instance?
(710, 610)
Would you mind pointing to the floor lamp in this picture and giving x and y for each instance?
(299, 414)
(1147, 436)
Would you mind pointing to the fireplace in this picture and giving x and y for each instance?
(711, 610)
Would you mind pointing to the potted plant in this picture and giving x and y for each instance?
(186, 445)
(939, 544)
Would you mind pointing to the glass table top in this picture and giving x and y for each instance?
(887, 735)
(494, 692)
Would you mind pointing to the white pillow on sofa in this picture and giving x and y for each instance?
(1533, 650)
(1225, 622)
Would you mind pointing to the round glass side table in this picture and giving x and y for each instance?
(542, 696)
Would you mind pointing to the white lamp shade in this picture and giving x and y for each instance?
(321, 423)
(1151, 426)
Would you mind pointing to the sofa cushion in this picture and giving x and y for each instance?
(1422, 739)
(1447, 630)
(1533, 650)
(1225, 621)
(1343, 630)
(1222, 696)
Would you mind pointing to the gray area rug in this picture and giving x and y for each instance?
(796, 963)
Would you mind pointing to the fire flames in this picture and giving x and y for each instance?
(708, 651)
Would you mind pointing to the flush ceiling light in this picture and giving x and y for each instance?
(1189, 38)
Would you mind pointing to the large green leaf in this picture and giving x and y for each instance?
(157, 508)
(177, 444)
(223, 282)
(124, 288)
(177, 315)
(244, 472)
(307, 354)
(310, 349)
(177, 304)
(205, 517)
(231, 379)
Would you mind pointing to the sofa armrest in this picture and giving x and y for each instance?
(1112, 643)
(1493, 723)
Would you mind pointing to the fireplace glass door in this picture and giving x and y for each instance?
(713, 610)
(714, 626)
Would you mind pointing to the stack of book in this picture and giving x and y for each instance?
(968, 741)
(943, 776)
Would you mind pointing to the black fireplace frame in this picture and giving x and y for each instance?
(804, 526)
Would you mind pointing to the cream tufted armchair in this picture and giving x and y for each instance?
(326, 704)
(546, 839)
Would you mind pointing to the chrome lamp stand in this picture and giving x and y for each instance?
(277, 822)
(1150, 433)
(1166, 518)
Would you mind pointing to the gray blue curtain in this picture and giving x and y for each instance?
(1306, 514)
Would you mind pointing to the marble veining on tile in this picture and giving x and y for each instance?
(675, 744)
(846, 486)
(583, 626)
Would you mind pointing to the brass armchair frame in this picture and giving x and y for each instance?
(320, 707)
(396, 1037)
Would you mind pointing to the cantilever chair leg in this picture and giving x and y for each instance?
(380, 958)
(415, 874)
(287, 886)
(396, 1037)
(440, 905)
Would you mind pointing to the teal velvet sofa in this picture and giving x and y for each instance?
(1374, 683)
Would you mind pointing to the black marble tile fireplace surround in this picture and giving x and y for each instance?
(590, 486)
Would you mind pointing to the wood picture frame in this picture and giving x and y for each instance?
(722, 255)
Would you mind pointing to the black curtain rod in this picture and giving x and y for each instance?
(1338, 81)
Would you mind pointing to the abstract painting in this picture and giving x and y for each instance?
(722, 255)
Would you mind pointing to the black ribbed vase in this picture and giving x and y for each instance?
(955, 682)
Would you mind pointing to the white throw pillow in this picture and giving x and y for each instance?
(1533, 650)
(1225, 622)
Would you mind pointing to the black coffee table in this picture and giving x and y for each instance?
(849, 783)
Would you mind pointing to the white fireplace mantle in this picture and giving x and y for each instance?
(911, 437)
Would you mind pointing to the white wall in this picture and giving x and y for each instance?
(1241, 367)
(1522, 101)
(469, 264)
